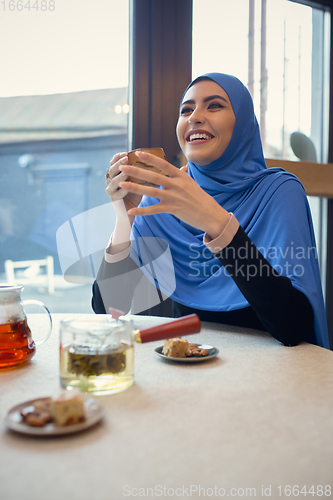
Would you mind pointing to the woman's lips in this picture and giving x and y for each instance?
(198, 142)
(198, 136)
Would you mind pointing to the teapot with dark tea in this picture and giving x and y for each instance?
(16, 343)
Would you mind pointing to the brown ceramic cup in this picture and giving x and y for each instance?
(134, 160)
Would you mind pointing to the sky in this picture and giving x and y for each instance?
(80, 45)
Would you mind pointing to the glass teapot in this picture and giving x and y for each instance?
(16, 343)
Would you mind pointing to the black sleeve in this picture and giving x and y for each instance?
(285, 312)
(114, 286)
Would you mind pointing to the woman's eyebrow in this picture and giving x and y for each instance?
(211, 97)
(206, 99)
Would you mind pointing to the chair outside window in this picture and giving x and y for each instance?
(32, 271)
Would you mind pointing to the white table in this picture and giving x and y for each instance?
(258, 416)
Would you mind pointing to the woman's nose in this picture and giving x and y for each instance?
(196, 117)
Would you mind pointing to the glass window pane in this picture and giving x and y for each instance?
(279, 55)
(63, 114)
(279, 50)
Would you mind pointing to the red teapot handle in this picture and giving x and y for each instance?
(177, 328)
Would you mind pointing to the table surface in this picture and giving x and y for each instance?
(259, 416)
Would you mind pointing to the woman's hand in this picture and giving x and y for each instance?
(180, 196)
(122, 200)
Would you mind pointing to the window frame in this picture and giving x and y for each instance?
(161, 60)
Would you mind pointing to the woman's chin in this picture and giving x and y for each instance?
(199, 160)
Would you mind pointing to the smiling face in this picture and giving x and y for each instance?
(206, 122)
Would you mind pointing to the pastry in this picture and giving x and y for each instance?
(68, 408)
(38, 414)
(179, 348)
(175, 348)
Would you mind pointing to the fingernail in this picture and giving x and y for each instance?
(124, 160)
(141, 154)
(123, 175)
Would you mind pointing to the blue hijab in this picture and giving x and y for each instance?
(270, 205)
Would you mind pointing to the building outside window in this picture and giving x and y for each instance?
(63, 114)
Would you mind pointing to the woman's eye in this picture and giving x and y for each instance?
(215, 105)
(185, 111)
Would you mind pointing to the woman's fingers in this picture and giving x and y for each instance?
(141, 189)
(152, 209)
(115, 164)
(115, 193)
(117, 157)
(172, 187)
(119, 163)
(114, 176)
(178, 195)
(146, 175)
(113, 184)
(115, 313)
(155, 161)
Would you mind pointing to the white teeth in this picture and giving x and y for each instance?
(193, 137)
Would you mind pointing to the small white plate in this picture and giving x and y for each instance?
(14, 421)
(212, 352)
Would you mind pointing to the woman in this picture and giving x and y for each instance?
(240, 235)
